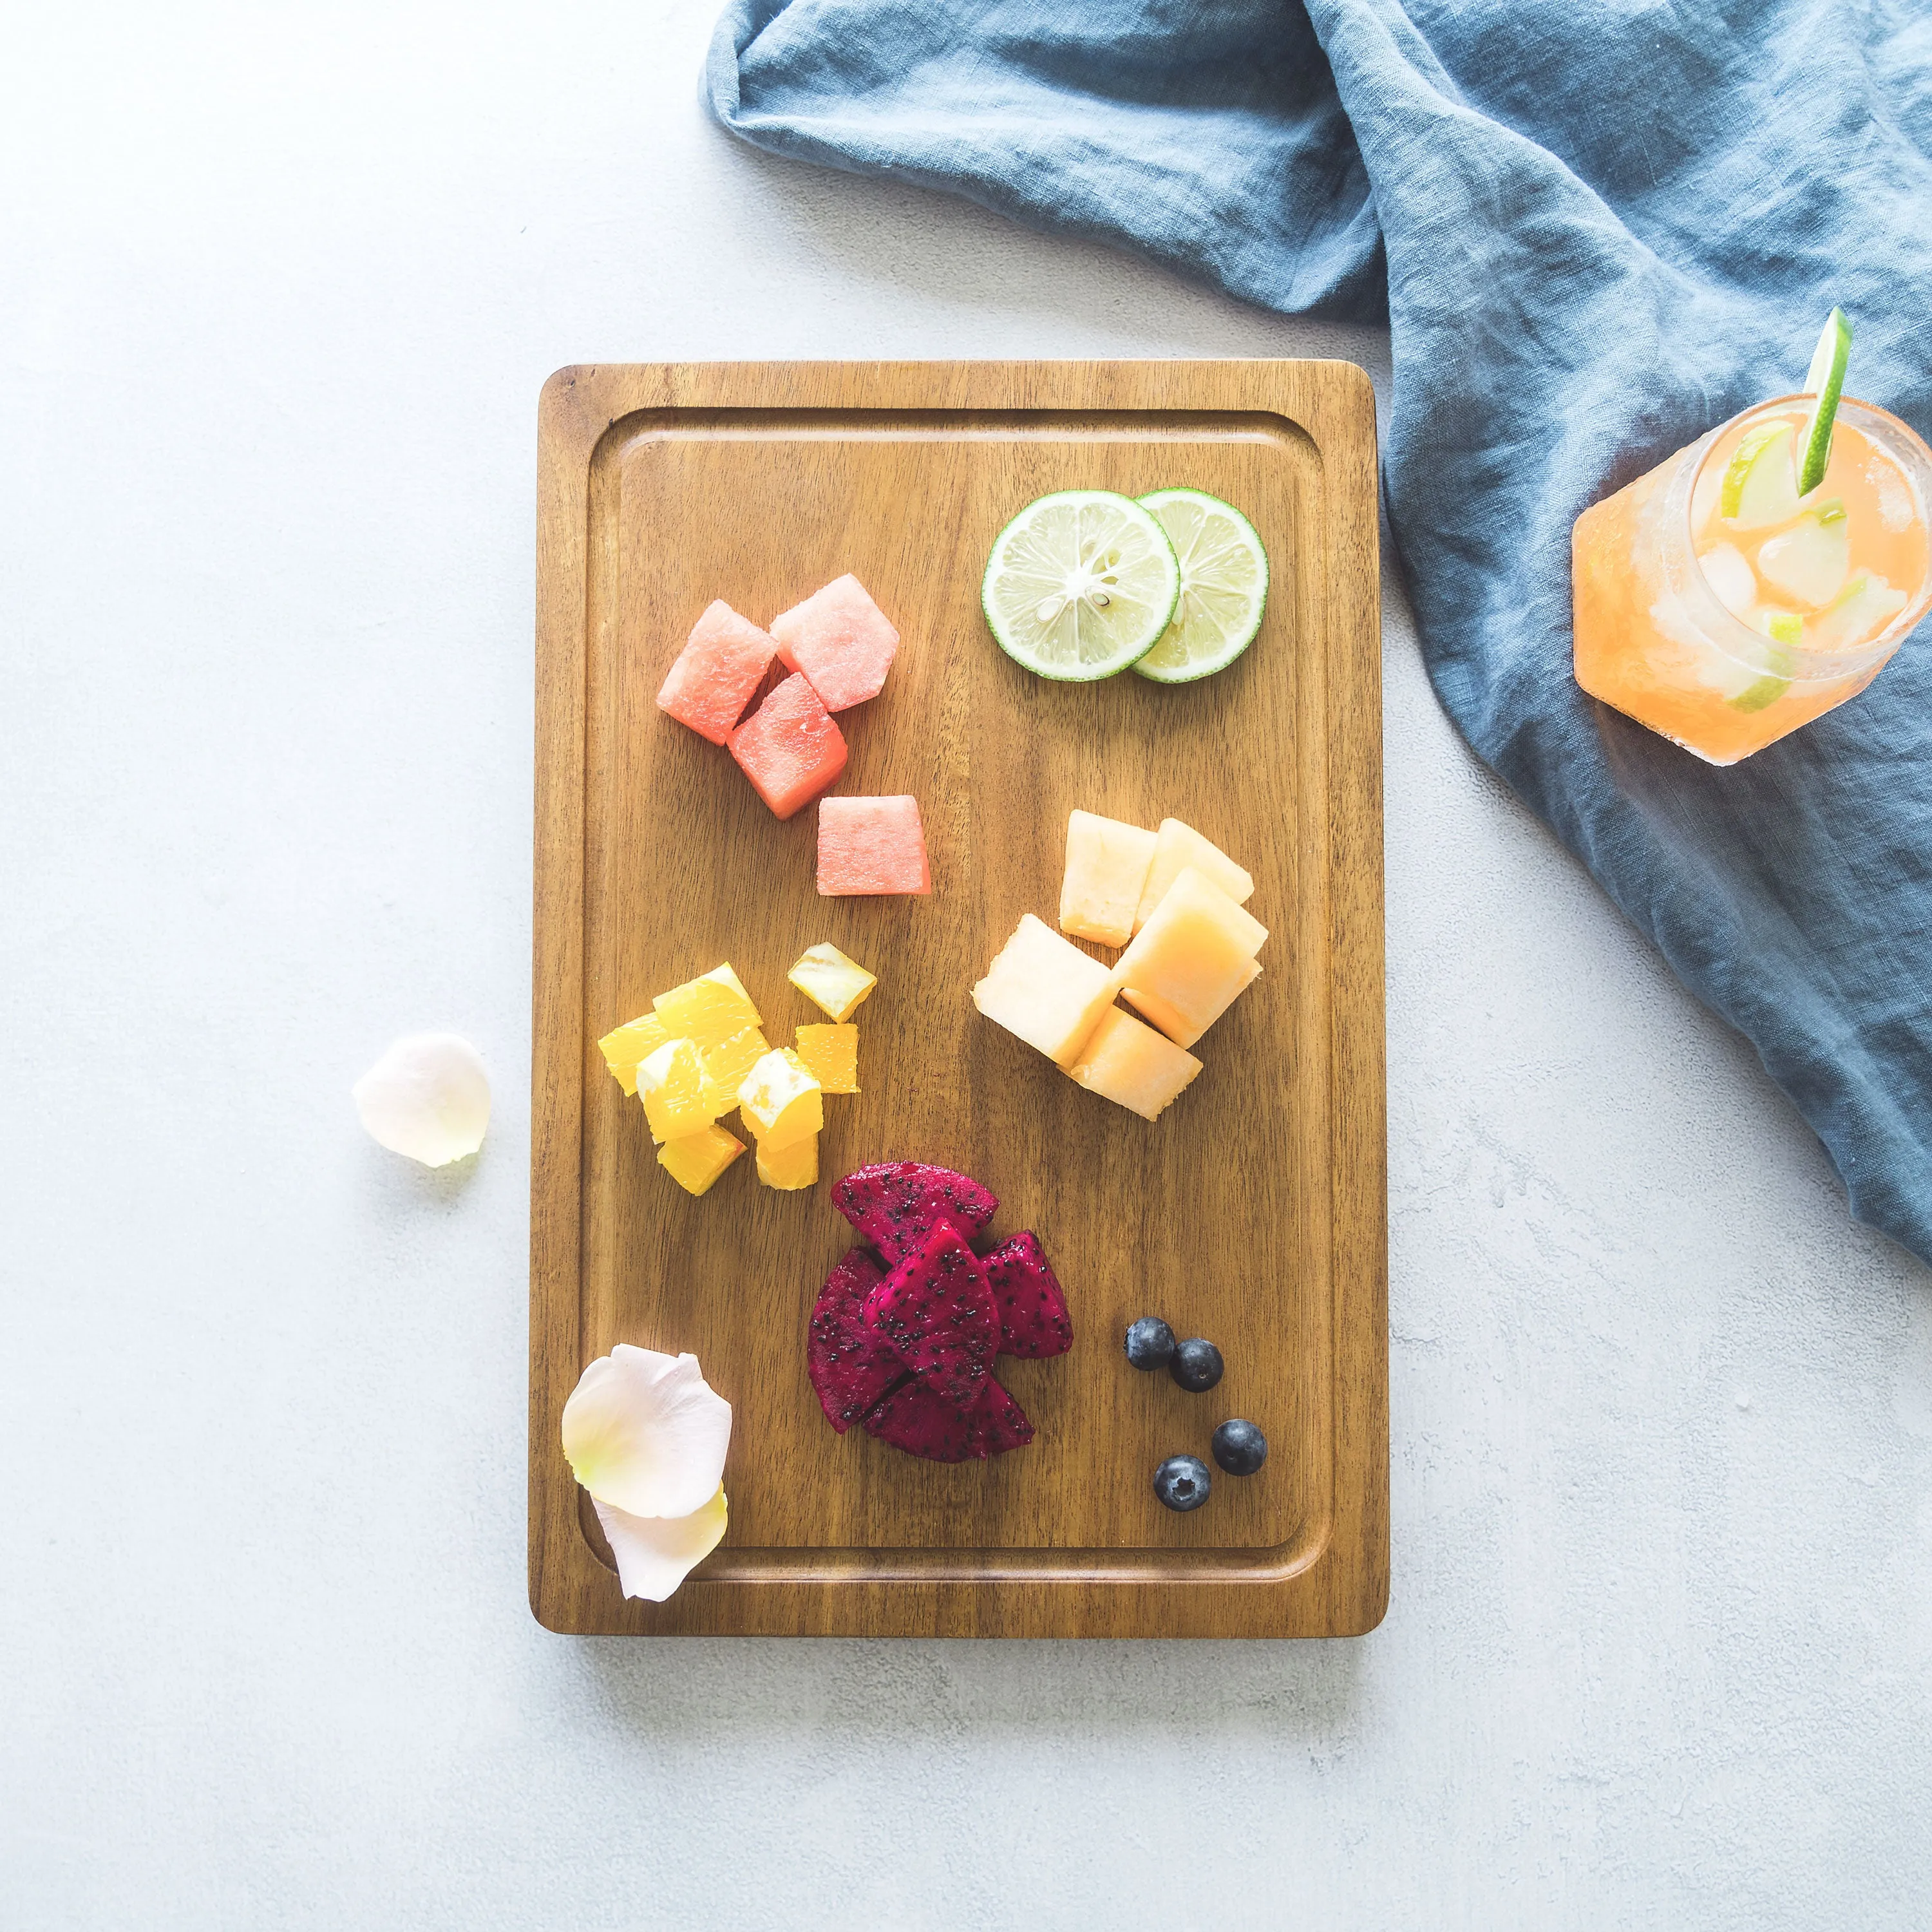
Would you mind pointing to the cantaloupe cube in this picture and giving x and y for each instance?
(832, 1053)
(1177, 845)
(670, 1083)
(840, 639)
(790, 1168)
(1107, 864)
(780, 1101)
(835, 984)
(726, 1065)
(708, 1010)
(1045, 990)
(789, 748)
(622, 1047)
(871, 846)
(1182, 1031)
(1132, 1064)
(696, 1160)
(721, 666)
(1193, 956)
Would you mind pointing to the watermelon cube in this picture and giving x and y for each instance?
(789, 748)
(721, 666)
(840, 639)
(871, 845)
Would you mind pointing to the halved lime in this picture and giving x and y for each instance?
(1826, 381)
(1224, 581)
(1080, 584)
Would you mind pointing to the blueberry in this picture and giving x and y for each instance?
(1196, 1366)
(1182, 1482)
(1240, 1447)
(1149, 1343)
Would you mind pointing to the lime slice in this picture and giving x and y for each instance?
(1224, 581)
(1826, 381)
(1080, 584)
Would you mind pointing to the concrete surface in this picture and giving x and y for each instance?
(281, 285)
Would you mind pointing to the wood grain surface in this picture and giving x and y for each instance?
(1252, 1212)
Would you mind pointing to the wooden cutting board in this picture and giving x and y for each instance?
(1253, 1212)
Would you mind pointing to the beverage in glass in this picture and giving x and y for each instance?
(1719, 606)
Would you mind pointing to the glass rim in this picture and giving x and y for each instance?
(1907, 445)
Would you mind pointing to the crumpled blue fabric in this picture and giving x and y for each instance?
(1596, 229)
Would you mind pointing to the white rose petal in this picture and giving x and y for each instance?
(647, 1433)
(655, 1553)
(427, 1097)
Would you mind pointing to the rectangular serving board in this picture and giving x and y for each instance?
(1253, 1212)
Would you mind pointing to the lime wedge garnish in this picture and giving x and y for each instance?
(1080, 584)
(1826, 383)
(1224, 581)
(1786, 629)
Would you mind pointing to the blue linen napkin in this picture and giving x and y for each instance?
(1596, 230)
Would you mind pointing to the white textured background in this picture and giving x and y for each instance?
(278, 289)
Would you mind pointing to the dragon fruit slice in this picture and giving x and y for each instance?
(922, 1424)
(851, 1364)
(897, 1204)
(937, 1310)
(996, 1422)
(1034, 1320)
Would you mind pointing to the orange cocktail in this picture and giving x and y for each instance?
(1717, 605)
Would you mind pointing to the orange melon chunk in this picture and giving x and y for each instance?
(1193, 957)
(1182, 1031)
(1107, 863)
(1043, 989)
(1131, 1063)
(1178, 846)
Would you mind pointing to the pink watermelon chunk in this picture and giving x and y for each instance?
(720, 667)
(789, 748)
(1034, 1320)
(840, 639)
(896, 1203)
(912, 1417)
(852, 1366)
(937, 1310)
(871, 845)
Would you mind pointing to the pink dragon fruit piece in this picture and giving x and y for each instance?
(897, 1204)
(922, 1424)
(937, 1310)
(852, 1365)
(1034, 1320)
(996, 1422)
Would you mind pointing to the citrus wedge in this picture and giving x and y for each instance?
(1825, 382)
